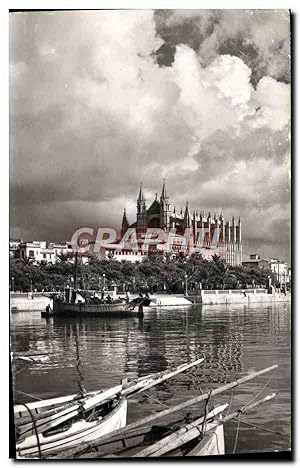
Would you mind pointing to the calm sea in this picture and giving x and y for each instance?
(233, 340)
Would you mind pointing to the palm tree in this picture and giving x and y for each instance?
(221, 274)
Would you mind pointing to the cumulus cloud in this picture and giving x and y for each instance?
(93, 112)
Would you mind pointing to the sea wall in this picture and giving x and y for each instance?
(169, 300)
(238, 296)
(24, 301)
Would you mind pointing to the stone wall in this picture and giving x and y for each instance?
(238, 296)
(23, 301)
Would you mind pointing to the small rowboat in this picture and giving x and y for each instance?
(58, 429)
(56, 424)
(163, 441)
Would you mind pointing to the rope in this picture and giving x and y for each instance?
(230, 402)
(264, 428)
(35, 430)
(255, 396)
(20, 370)
(236, 435)
(162, 404)
(82, 390)
(245, 406)
(205, 412)
(29, 395)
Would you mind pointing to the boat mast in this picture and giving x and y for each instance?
(75, 270)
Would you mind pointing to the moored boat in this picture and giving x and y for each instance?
(52, 425)
(202, 436)
(64, 431)
(168, 440)
(82, 304)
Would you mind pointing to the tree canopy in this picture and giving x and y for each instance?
(155, 273)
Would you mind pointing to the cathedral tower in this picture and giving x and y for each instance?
(125, 223)
(141, 214)
(164, 208)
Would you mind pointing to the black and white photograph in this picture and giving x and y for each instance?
(150, 268)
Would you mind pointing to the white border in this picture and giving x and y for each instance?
(94, 4)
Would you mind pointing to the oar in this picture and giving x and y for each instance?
(161, 414)
(147, 451)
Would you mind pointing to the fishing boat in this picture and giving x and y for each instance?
(165, 441)
(52, 425)
(201, 436)
(84, 303)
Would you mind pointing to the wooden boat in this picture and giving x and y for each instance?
(64, 431)
(115, 309)
(202, 437)
(46, 426)
(83, 302)
(160, 441)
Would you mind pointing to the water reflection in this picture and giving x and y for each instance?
(233, 341)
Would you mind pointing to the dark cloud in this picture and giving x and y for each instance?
(102, 100)
(261, 38)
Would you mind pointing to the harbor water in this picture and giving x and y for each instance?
(98, 352)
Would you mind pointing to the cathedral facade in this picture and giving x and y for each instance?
(218, 236)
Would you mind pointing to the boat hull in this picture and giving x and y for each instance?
(131, 442)
(80, 432)
(211, 444)
(101, 310)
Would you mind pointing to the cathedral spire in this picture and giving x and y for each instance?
(141, 202)
(125, 223)
(141, 195)
(164, 195)
(187, 216)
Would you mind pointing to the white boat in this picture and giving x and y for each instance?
(163, 441)
(56, 424)
(64, 432)
(202, 436)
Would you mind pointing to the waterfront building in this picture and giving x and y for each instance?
(37, 251)
(44, 252)
(256, 262)
(227, 243)
(14, 246)
(280, 269)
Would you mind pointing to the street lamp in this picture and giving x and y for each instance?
(186, 284)
(13, 284)
(103, 281)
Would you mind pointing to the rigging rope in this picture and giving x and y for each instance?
(29, 395)
(205, 412)
(82, 389)
(236, 434)
(255, 396)
(256, 426)
(35, 430)
(247, 404)
(162, 404)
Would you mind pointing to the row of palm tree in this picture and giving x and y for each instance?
(156, 272)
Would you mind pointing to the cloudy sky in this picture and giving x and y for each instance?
(100, 100)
